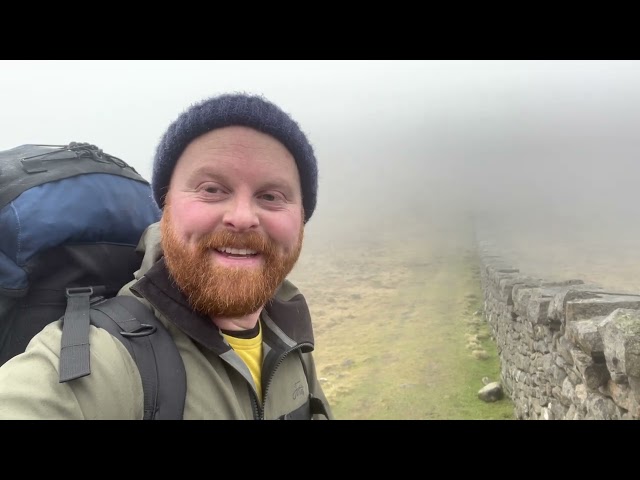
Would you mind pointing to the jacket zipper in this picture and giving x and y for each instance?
(273, 372)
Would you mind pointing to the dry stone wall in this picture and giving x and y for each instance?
(569, 350)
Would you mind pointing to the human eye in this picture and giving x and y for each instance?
(211, 190)
(272, 197)
(269, 197)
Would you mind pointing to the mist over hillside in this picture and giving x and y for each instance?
(528, 145)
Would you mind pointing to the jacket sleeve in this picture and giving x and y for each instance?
(30, 388)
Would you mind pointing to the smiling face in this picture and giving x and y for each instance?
(232, 226)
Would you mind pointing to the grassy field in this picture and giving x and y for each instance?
(398, 324)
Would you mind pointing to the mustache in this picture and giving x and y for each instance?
(225, 238)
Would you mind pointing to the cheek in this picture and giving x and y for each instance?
(191, 220)
(285, 229)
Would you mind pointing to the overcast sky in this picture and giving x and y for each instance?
(389, 135)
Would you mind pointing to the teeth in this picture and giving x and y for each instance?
(237, 251)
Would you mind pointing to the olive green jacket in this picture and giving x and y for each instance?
(219, 385)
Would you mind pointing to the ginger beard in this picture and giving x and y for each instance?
(222, 291)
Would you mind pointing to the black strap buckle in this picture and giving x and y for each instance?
(79, 292)
(142, 331)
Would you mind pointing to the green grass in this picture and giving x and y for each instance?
(392, 333)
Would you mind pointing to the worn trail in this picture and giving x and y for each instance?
(393, 316)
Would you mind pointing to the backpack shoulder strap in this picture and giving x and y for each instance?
(150, 345)
(74, 350)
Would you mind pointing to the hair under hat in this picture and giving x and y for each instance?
(235, 109)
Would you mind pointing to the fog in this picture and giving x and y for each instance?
(394, 139)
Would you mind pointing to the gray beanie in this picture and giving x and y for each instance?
(235, 109)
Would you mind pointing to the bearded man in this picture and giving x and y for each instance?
(236, 179)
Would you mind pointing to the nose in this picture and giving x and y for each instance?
(240, 215)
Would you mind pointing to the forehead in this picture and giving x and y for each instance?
(237, 149)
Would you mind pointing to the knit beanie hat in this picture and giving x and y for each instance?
(235, 109)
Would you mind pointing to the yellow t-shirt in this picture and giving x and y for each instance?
(250, 350)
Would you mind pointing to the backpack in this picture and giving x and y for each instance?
(71, 217)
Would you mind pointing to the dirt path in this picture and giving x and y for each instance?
(393, 315)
